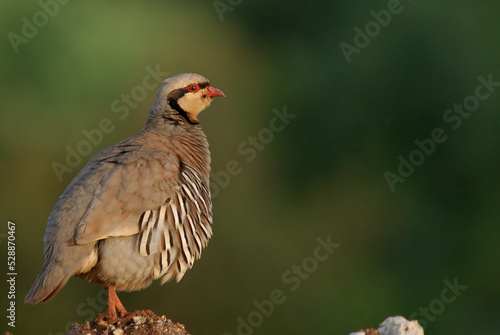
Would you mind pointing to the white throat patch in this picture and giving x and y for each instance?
(193, 104)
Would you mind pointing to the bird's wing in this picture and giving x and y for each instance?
(125, 185)
(165, 201)
(180, 228)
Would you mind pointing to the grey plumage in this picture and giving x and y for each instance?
(141, 209)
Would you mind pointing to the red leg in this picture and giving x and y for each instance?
(118, 305)
(114, 305)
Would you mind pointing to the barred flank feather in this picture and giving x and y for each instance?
(178, 230)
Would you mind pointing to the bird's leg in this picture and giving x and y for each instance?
(119, 306)
(114, 305)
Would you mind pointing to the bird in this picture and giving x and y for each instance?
(139, 210)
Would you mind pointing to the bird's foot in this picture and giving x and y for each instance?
(116, 311)
(111, 317)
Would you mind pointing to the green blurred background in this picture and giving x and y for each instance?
(322, 175)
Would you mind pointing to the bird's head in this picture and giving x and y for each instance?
(188, 94)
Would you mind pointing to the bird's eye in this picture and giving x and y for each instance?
(193, 88)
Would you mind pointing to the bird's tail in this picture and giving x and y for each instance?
(51, 279)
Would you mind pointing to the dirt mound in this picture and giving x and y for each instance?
(141, 323)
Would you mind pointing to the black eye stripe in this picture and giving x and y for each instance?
(177, 94)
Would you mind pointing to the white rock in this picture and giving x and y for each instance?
(118, 332)
(398, 325)
(358, 333)
(139, 320)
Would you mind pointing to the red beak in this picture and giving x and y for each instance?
(213, 92)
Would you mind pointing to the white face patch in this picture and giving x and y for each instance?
(193, 104)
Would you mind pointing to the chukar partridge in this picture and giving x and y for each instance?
(139, 210)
